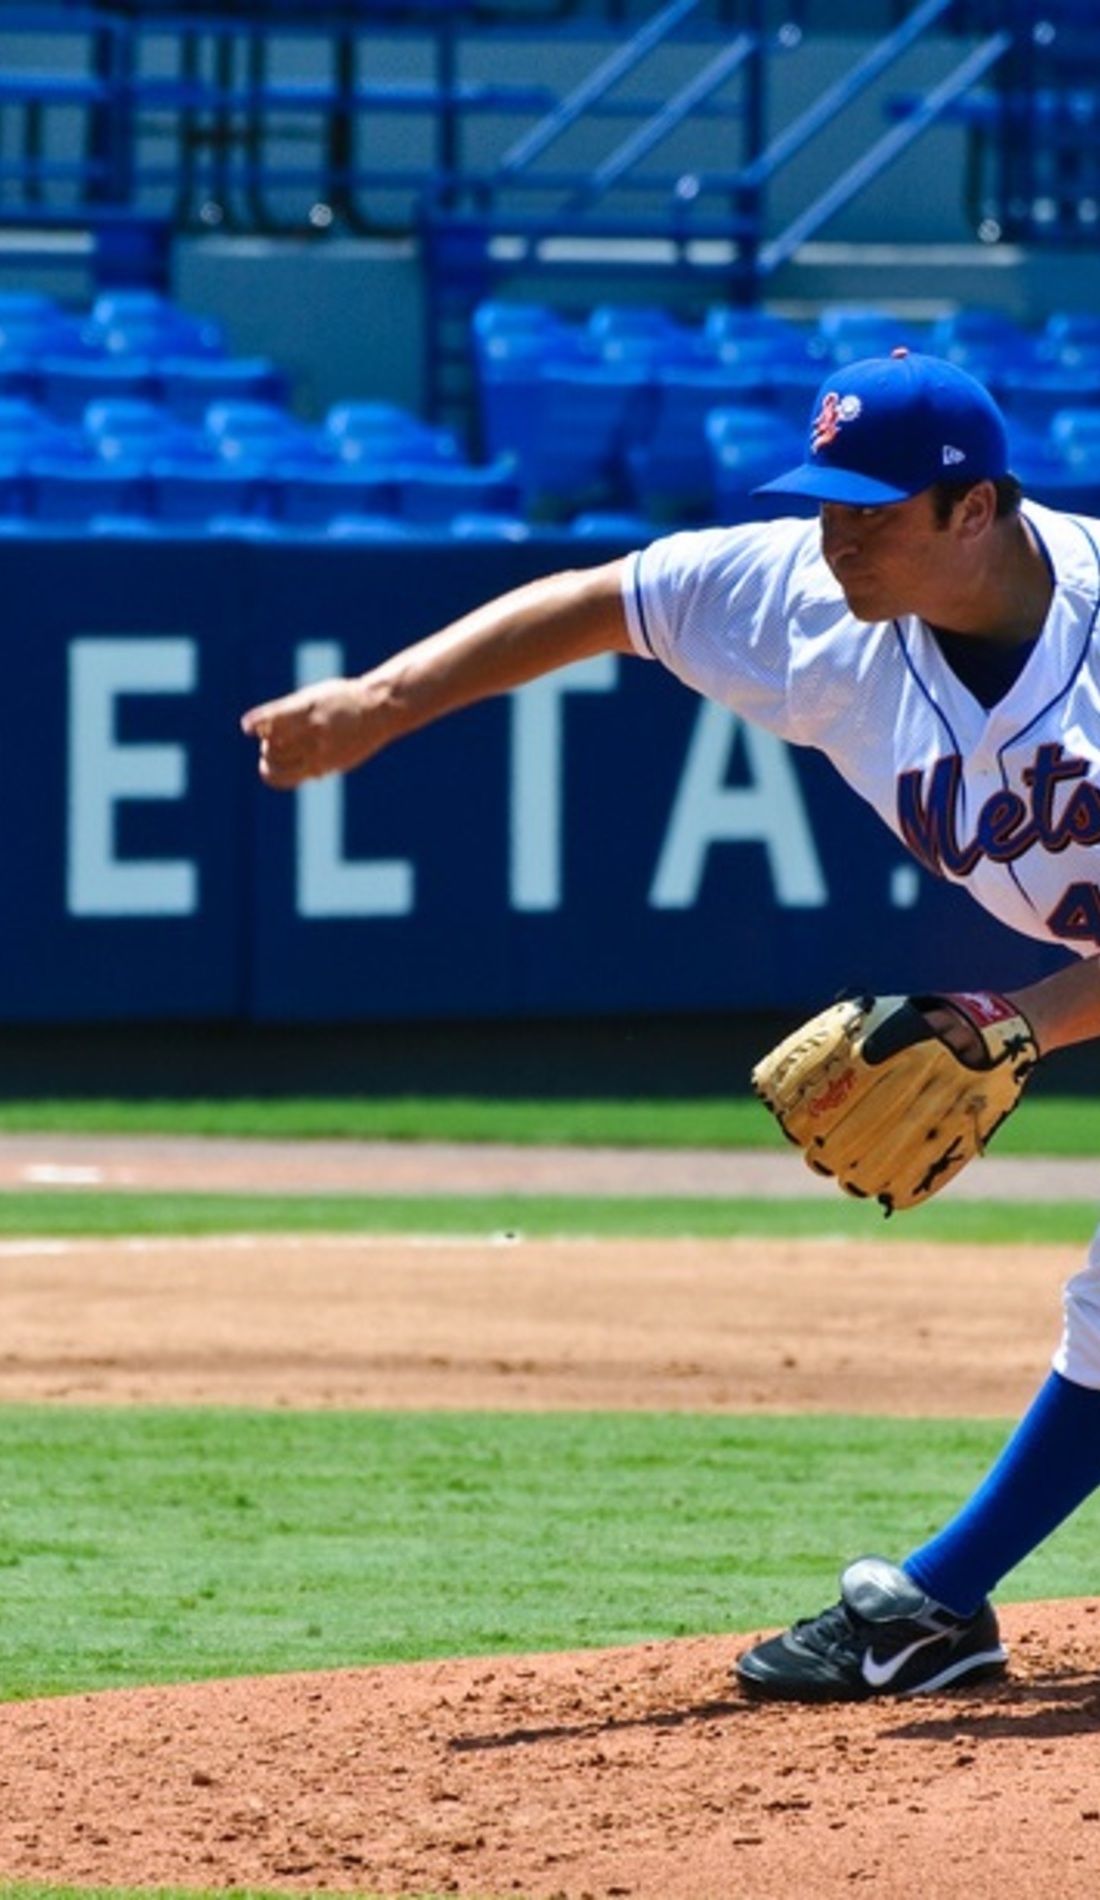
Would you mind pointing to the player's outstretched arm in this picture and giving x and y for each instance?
(1063, 1008)
(340, 723)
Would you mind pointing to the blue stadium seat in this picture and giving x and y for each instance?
(132, 428)
(766, 358)
(514, 346)
(989, 344)
(671, 466)
(644, 334)
(18, 373)
(472, 525)
(34, 307)
(734, 332)
(75, 489)
(315, 493)
(845, 333)
(32, 323)
(612, 524)
(376, 431)
(1070, 338)
(25, 425)
(1044, 472)
(67, 384)
(495, 321)
(1075, 434)
(145, 322)
(370, 528)
(197, 490)
(428, 495)
(771, 359)
(243, 430)
(190, 384)
(1064, 371)
(583, 418)
(748, 447)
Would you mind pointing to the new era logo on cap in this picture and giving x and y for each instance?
(888, 427)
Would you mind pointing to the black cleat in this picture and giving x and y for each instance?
(884, 1637)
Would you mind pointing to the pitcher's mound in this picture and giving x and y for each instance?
(628, 1772)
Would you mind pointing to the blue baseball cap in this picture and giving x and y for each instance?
(887, 427)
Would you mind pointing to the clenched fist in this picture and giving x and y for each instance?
(318, 729)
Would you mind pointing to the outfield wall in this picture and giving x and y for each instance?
(600, 843)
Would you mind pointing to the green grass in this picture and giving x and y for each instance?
(1046, 1124)
(673, 1124)
(104, 1214)
(141, 1545)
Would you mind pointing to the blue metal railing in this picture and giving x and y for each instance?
(383, 116)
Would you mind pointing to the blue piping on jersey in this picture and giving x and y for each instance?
(922, 688)
(640, 610)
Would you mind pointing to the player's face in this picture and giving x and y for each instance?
(887, 559)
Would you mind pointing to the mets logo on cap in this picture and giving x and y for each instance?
(834, 412)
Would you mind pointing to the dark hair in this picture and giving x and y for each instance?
(946, 497)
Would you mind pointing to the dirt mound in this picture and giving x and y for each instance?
(630, 1772)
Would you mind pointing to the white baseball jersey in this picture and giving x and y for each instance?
(1004, 800)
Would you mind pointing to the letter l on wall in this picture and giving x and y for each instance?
(328, 884)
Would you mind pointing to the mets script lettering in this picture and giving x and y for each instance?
(1060, 808)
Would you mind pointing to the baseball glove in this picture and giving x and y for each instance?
(874, 1096)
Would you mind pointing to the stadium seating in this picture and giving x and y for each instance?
(513, 347)
(317, 493)
(255, 430)
(671, 466)
(76, 490)
(583, 417)
(638, 334)
(1074, 433)
(472, 525)
(67, 384)
(435, 495)
(131, 427)
(144, 322)
(991, 346)
(189, 490)
(845, 332)
(747, 447)
(381, 431)
(189, 384)
(619, 423)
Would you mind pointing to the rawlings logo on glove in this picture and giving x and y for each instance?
(875, 1095)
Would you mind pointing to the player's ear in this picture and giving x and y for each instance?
(975, 510)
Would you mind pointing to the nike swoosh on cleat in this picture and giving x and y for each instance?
(878, 1675)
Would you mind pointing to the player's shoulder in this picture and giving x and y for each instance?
(765, 547)
(1071, 541)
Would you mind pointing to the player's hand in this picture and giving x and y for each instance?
(308, 733)
(957, 1032)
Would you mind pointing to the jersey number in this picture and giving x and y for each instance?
(1076, 916)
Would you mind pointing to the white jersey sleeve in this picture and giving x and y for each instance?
(746, 616)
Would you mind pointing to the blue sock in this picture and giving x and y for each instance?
(1049, 1466)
